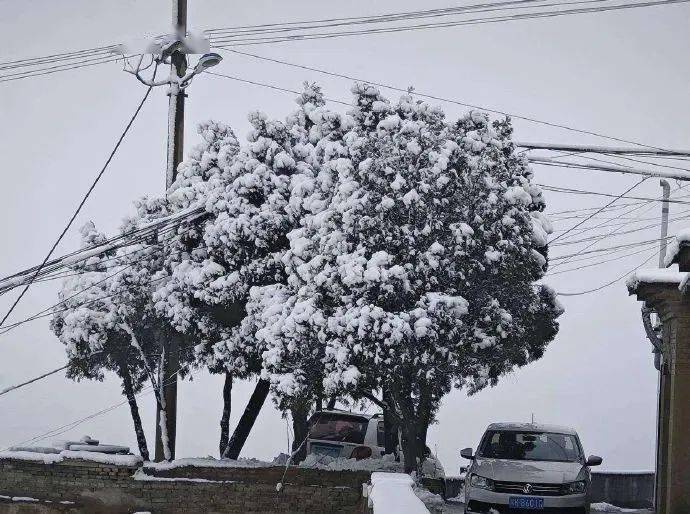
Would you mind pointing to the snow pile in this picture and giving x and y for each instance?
(392, 493)
(31, 456)
(208, 462)
(35, 449)
(385, 463)
(19, 499)
(655, 276)
(52, 457)
(433, 502)
(607, 507)
(103, 458)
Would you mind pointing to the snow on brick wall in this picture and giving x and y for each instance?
(108, 488)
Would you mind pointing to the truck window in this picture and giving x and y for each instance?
(338, 427)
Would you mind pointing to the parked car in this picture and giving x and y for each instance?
(348, 435)
(523, 467)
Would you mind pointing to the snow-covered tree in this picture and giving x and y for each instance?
(87, 323)
(238, 246)
(416, 268)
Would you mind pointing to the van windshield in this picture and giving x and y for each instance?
(530, 446)
(338, 427)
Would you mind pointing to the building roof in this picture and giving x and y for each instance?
(656, 276)
(531, 427)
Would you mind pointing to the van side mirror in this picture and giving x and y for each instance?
(467, 454)
(594, 460)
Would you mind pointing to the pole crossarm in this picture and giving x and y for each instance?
(603, 149)
(546, 161)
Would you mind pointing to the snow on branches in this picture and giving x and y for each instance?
(386, 249)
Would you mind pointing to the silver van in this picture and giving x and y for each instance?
(525, 467)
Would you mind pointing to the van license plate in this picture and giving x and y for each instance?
(521, 502)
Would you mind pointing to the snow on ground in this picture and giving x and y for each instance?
(607, 507)
(392, 492)
(433, 502)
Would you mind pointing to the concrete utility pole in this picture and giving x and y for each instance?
(173, 50)
(170, 348)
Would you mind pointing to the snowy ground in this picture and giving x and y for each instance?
(456, 507)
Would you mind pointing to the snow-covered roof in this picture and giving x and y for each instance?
(531, 427)
(655, 276)
(682, 239)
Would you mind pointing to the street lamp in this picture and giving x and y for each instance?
(205, 62)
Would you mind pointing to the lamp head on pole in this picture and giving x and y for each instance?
(207, 61)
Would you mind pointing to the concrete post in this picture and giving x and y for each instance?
(662, 293)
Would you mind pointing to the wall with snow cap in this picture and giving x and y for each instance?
(75, 485)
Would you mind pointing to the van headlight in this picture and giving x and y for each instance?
(576, 487)
(481, 482)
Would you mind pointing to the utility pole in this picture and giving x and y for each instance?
(170, 356)
(174, 51)
(658, 354)
(664, 221)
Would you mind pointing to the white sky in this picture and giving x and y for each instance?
(624, 74)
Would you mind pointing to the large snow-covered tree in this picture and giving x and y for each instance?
(416, 268)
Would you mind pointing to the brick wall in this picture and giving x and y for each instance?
(82, 486)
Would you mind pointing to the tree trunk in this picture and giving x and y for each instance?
(410, 441)
(134, 409)
(244, 426)
(300, 427)
(331, 402)
(390, 426)
(225, 418)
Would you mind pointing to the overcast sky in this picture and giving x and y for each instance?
(624, 73)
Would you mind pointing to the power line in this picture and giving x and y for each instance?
(435, 97)
(606, 249)
(49, 311)
(646, 201)
(607, 284)
(18, 386)
(57, 69)
(599, 263)
(377, 18)
(270, 86)
(230, 41)
(73, 424)
(595, 242)
(230, 32)
(567, 241)
(79, 207)
(598, 211)
(56, 57)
